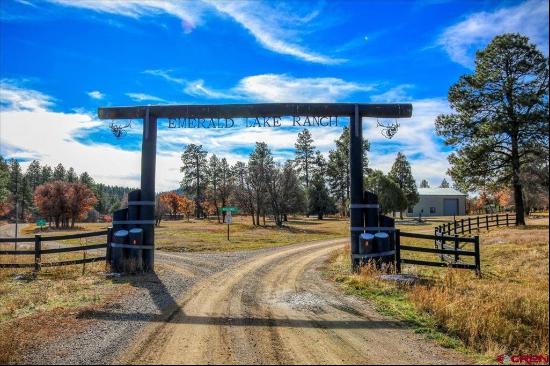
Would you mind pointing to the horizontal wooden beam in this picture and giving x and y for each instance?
(257, 110)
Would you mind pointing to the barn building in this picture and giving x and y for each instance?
(439, 202)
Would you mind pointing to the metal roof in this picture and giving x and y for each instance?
(439, 192)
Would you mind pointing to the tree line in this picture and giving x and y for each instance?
(57, 194)
(309, 184)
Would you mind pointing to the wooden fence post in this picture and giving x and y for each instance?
(456, 248)
(477, 256)
(108, 249)
(507, 223)
(37, 252)
(398, 251)
(469, 225)
(487, 221)
(478, 224)
(497, 220)
(454, 227)
(462, 225)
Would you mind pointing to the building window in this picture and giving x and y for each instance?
(432, 210)
(410, 210)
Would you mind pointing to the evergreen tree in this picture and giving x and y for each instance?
(293, 195)
(259, 165)
(71, 176)
(86, 179)
(501, 119)
(424, 184)
(338, 168)
(59, 173)
(401, 174)
(390, 197)
(47, 174)
(4, 181)
(444, 184)
(320, 201)
(226, 184)
(34, 175)
(243, 192)
(213, 176)
(305, 152)
(194, 174)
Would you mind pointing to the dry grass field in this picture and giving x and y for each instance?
(504, 312)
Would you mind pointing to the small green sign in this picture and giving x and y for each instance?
(230, 209)
(41, 223)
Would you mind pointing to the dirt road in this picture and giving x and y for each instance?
(274, 308)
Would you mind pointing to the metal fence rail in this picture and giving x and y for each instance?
(38, 251)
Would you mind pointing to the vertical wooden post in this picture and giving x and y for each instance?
(148, 163)
(462, 226)
(454, 221)
(356, 180)
(478, 228)
(507, 222)
(487, 221)
(497, 220)
(477, 256)
(456, 248)
(469, 225)
(398, 251)
(108, 250)
(37, 252)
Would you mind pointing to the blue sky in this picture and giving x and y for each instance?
(61, 59)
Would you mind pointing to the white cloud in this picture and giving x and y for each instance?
(29, 129)
(529, 18)
(140, 97)
(13, 97)
(276, 28)
(415, 138)
(273, 29)
(189, 12)
(285, 88)
(96, 94)
(273, 88)
(197, 89)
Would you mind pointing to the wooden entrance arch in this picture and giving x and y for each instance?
(150, 115)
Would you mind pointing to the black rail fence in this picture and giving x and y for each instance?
(478, 223)
(38, 252)
(449, 255)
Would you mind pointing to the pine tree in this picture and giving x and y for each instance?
(501, 117)
(34, 174)
(243, 192)
(194, 174)
(390, 197)
(444, 184)
(71, 175)
(259, 165)
(424, 184)
(402, 175)
(46, 175)
(320, 201)
(338, 168)
(226, 183)
(86, 179)
(304, 154)
(59, 173)
(213, 172)
(293, 195)
(4, 181)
